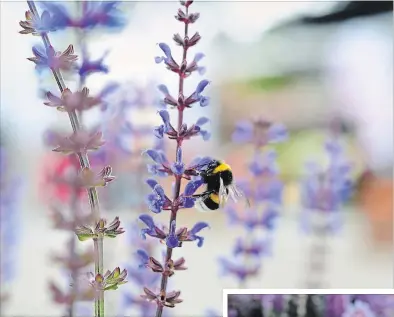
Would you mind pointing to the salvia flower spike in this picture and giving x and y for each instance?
(80, 141)
(158, 201)
(324, 192)
(264, 191)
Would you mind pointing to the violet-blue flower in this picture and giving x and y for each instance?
(178, 167)
(38, 25)
(89, 66)
(260, 132)
(197, 96)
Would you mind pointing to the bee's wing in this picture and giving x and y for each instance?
(236, 194)
(222, 194)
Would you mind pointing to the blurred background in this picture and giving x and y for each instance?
(301, 64)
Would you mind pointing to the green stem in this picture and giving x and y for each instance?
(98, 261)
(84, 162)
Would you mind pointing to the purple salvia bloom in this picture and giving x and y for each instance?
(49, 58)
(193, 66)
(270, 190)
(144, 257)
(168, 99)
(89, 67)
(94, 14)
(166, 127)
(204, 133)
(178, 167)
(259, 132)
(255, 247)
(101, 13)
(190, 189)
(172, 239)
(243, 132)
(38, 25)
(151, 230)
(237, 269)
(192, 234)
(197, 96)
(167, 59)
(263, 164)
(61, 17)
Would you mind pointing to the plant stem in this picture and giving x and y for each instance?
(174, 210)
(84, 162)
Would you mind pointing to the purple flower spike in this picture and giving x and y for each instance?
(176, 235)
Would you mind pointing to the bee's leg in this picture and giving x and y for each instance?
(204, 194)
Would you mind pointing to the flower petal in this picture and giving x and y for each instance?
(198, 227)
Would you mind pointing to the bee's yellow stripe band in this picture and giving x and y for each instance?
(215, 198)
(221, 168)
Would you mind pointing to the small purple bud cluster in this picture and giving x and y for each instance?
(324, 191)
(264, 191)
(10, 191)
(174, 236)
(78, 143)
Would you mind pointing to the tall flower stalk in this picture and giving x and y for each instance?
(324, 192)
(264, 192)
(79, 143)
(174, 236)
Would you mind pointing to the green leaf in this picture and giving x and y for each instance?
(85, 236)
(111, 287)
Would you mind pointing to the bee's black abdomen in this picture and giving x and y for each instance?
(210, 204)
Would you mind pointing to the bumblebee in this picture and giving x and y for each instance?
(220, 185)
